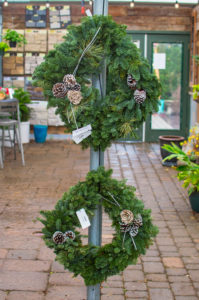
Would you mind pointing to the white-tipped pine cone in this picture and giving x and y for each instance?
(134, 231)
(69, 235)
(58, 237)
(59, 90)
(131, 82)
(139, 96)
(126, 216)
(74, 97)
(69, 81)
(124, 227)
(138, 221)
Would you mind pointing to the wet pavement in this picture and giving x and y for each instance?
(169, 270)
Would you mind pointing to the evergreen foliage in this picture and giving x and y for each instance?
(96, 263)
(117, 114)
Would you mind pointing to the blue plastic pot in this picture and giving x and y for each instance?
(40, 133)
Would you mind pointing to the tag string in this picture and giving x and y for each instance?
(74, 115)
(86, 49)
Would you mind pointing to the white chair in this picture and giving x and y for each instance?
(10, 119)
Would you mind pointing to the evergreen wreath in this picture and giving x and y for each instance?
(132, 91)
(132, 223)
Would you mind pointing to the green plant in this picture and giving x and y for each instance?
(188, 172)
(4, 46)
(24, 99)
(195, 91)
(13, 36)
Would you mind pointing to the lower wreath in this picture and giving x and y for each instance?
(132, 223)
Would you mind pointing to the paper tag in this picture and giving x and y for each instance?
(88, 13)
(81, 130)
(80, 134)
(83, 218)
(77, 139)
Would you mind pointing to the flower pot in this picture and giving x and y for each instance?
(168, 139)
(194, 201)
(12, 44)
(25, 132)
(40, 133)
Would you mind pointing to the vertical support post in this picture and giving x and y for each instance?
(100, 7)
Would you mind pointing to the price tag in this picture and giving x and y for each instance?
(79, 138)
(81, 133)
(83, 218)
(88, 13)
(81, 130)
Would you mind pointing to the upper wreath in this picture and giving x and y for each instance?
(132, 91)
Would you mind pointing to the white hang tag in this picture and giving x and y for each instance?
(88, 13)
(81, 137)
(83, 218)
(81, 130)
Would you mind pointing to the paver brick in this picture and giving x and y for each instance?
(182, 289)
(26, 265)
(23, 281)
(25, 296)
(133, 275)
(173, 262)
(65, 279)
(135, 286)
(136, 294)
(3, 295)
(22, 254)
(163, 294)
(3, 253)
(151, 267)
(194, 274)
(66, 293)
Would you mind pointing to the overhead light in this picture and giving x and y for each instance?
(132, 4)
(47, 4)
(177, 4)
(90, 2)
(5, 3)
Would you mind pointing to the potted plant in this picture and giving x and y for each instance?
(169, 139)
(14, 38)
(196, 92)
(188, 172)
(3, 48)
(24, 99)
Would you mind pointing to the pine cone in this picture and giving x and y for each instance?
(76, 87)
(126, 216)
(69, 235)
(74, 97)
(58, 238)
(139, 96)
(134, 231)
(59, 90)
(69, 81)
(138, 221)
(124, 227)
(131, 82)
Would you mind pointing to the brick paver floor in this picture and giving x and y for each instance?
(169, 270)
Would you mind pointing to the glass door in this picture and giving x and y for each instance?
(168, 57)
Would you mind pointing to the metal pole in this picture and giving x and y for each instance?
(100, 7)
